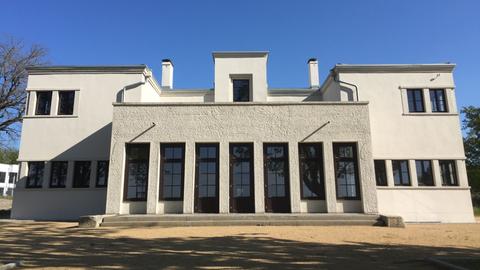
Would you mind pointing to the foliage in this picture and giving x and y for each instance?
(471, 124)
(8, 155)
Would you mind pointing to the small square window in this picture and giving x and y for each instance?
(66, 100)
(44, 102)
(241, 90)
(437, 98)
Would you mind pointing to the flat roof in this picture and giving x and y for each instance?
(386, 68)
(238, 54)
(87, 69)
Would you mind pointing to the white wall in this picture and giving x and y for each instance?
(7, 169)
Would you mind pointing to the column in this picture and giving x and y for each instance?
(115, 178)
(224, 178)
(189, 182)
(46, 175)
(259, 183)
(294, 177)
(462, 173)
(389, 169)
(153, 178)
(413, 173)
(330, 189)
(437, 175)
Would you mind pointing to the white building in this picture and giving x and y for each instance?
(371, 139)
(8, 178)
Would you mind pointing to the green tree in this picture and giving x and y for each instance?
(8, 155)
(471, 124)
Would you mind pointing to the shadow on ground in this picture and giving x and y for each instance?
(39, 245)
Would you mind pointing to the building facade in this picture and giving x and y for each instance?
(371, 139)
(8, 179)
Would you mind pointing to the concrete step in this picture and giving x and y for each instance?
(241, 220)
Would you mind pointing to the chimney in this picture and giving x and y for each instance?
(167, 74)
(313, 73)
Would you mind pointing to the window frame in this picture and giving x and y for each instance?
(60, 92)
(422, 100)
(383, 172)
(197, 169)
(125, 178)
(15, 175)
(106, 173)
(3, 177)
(435, 105)
(77, 184)
(454, 173)
(163, 160)
(250, 94)
(37, 99)
(320, 166)
(420, 179)
(409, 177)
(38, 183)
(354, 158)
(52, 174)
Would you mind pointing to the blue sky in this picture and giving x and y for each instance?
(134, 32)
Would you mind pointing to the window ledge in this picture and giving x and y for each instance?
(49, 116)
(424, 188)
(430, 114)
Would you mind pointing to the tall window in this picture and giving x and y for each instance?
(311, 171)
(12, 177)
(449, 172)
(401, 176)
(136, 171)
(58, 177)
(207, 170)
(172, 171)
(241, 90)
(380, 173)
(66, 100)
(2, 177)
(415, 100)
(44, 102)
(346, 171)
(424, 172)
(102, 173)
(437, 98)
(35, 174)
(276, 166)
(81, 175)
(241, 169)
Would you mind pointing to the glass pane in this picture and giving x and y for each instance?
(241, 90)
(44, 102)
(66, 102)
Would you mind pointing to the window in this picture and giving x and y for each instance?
(172, 168)
(102, 174)
(66, 100)
(311, 171)
(81, 175)
(346, 171)
(9, 191)
(424, 172)
(207, 170)
(1, 191)
(44, 102)
(437, 98)
(401, 176)
(58, 177)
(2, 177)
(415, 100)
(12, 177)
(276, 166)
(448, 172)
(241, 170)
(380, 172)
(136, 171)
(35, 174)
(241, 90)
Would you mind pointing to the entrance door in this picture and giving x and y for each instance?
(241, 178)
(206, 178)
(276, 178)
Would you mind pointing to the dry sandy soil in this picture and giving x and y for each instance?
(64, 246)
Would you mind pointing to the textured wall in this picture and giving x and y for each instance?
(253, 122)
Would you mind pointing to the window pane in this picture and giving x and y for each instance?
(102, 174)
(346, 170)
(241, 90)
(58, 176)
(401, 175)
(44, 102)
(276, 166)
(81, 176)
(66, 100)
(12, 178)
(311, 171)
(137, 164)
(2, 177)
(35, 174)
(380, 172)
(415, 100)
(424, 172)
(448, 172)
(437, 99)
(206, 173)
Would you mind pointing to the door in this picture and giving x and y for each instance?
(206, 178)
(241, 178)
(276, 178)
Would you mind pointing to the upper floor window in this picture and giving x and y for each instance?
(424, 172)
(401, 177)
(66, 100)
(380, 172)
(437, 98)
(2, 177)
(241, 90)
(448, 172)
(35, 174)
(44, 102)
(12, 177)
(415, 100)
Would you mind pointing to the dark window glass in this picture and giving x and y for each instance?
(437, 98)
(136, 171)
(242, 171)
(81, 175)
(241, 90)
(401, 176)
(102, 174)
(415, 100)
(35, 174)
(58, 177)
(311, 171)
(172, 171)
(424, 172)
(44, 102)
(2, 177)
(380, 172)
(207, 170)
(449, 172)
(1, 192)
(276, 159)
(66, 99)
(12, 177)
(346, 171)
(9, 191)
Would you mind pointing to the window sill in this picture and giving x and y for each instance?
(430, 114)
(49, 116)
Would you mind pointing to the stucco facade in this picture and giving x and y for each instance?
(365, 106)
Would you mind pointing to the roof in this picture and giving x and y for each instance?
(387, 68)
(237, 54)
(130, 69)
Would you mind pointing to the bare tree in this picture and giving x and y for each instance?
(14, 58)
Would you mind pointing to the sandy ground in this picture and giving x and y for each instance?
(5, 204)
(64, 246)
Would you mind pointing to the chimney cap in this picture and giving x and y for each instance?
(312, 59)
(167, 60)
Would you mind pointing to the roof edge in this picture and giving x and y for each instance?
(387, 68)
(132, 69)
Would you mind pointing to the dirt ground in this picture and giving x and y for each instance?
(64, 246)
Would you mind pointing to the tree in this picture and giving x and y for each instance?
(8, 155)
(14, 58)
(471, 124)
